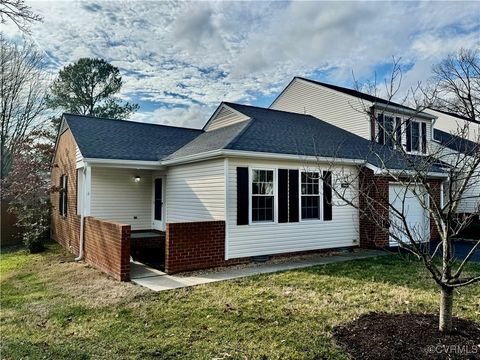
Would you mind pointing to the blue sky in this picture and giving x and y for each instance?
(179, 60)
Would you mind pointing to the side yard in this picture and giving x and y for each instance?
(52, 307)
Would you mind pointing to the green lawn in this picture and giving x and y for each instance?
(52, 307)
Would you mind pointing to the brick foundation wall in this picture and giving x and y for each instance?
(377, 187)
(194, 245)
(106, 244)
(107, 247)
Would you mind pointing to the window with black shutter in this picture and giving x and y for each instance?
(380, 130)
(242, 195)
(293, 193)
(408, 131)
(424, 138)
(398, 132)
(327, 195)
(283, 195)
(63, 195)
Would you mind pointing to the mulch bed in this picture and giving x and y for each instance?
(378, 336)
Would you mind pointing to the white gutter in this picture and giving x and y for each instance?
(259, 155)
(137, 164)
(82, 214)
(378, 171)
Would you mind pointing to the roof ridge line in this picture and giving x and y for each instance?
(268, 109)
(128, 121)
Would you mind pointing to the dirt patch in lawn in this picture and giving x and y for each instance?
(378, 336)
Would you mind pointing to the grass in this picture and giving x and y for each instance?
(52, 307)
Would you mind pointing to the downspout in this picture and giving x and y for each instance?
(82, 214)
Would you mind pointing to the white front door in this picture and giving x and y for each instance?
(158, 200)
(416, 216)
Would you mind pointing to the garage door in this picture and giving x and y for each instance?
(417, 218)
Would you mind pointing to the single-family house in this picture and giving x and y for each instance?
(239, 188)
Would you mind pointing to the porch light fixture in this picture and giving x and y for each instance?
(137, 179)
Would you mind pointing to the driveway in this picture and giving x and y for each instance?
(461, 249)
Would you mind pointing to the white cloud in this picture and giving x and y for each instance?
(189, 56)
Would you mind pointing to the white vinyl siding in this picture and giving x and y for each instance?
(274, 238)
(328, 105)
(470, 202)
(78, 155)
(196, 192)
(471, 198)
(115, 196)
(452, 125)
(225, 116)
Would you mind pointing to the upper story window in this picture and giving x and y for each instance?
(416, 134)
(263, 195)
(310, 193)
(394, 131)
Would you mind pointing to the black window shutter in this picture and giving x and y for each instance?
(327, 195)
(293, 195)
(398, 130)
(282, 195)
(60, 196)
(65, 197)
(242, 196)
(409, 135)
(424, 138)
(381, 129)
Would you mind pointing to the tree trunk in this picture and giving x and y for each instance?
(446, 310)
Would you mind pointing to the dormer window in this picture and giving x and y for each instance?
(395, 131)
(389, 130)
(416, 133)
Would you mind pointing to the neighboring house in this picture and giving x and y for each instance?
(239, 188)
(419, 133)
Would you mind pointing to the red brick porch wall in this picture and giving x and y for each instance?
(377, 187)
(195, 245)
(107, 247)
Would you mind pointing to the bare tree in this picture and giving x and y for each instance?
(19, 13)
(457, 83)
(22, 95)
(440, 176)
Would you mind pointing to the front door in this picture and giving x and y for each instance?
(158, 204)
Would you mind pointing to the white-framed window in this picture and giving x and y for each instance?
(262, 195)
(310, 195)
(416, 134)
(386, 130)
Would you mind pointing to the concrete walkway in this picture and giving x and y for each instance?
(157, 280)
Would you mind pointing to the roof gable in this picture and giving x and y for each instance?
(224, 116)
(374, 100)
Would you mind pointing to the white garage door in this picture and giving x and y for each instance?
(416, 217)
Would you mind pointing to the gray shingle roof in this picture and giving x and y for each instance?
(455, 142)
(126, 140)
(267, 131)
(281, 132)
